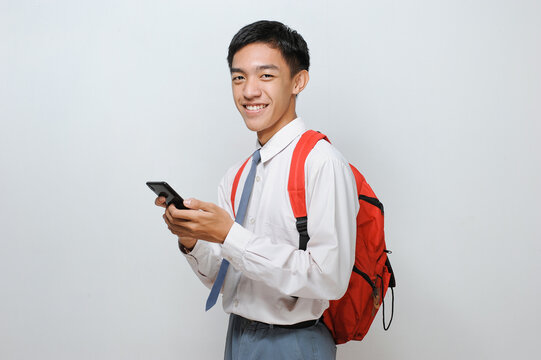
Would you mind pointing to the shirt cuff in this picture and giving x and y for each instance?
(183, 249)
(194, 252)
(235, 243)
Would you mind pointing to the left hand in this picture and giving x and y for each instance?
(203, 220)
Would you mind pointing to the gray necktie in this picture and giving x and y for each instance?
(241, 214)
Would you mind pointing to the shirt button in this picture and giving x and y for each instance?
(236, 302)
(257, 178)
(252, 220)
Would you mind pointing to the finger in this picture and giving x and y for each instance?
(167, 221)
(170, 214)
(176, 229)
(178, 224)
(160, 201)
(177, 215)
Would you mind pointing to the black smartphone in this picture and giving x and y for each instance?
(161, 188)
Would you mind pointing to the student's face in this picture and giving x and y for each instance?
(263, 89)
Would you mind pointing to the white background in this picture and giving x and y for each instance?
(437, 102)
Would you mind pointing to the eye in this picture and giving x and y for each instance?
(267, 76)
(238, 78)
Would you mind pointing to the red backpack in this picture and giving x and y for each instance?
(350, 317)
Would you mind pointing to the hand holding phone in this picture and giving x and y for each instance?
(206, 221)
(161, 188)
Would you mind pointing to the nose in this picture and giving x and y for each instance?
(251, 88)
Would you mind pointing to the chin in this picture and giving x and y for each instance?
(253, 126)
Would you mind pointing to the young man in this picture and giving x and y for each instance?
(275, 292)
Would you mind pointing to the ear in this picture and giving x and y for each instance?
(300, 81)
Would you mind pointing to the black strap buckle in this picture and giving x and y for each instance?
(302, 228)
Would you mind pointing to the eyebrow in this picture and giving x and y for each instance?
(258, 68)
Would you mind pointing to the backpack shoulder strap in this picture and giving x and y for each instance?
(236, 185)
(295, 187)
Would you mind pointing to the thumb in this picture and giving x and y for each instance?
(195, 204)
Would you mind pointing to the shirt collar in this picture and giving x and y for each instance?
(281, 139)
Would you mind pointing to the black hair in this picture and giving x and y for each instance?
(277, 35)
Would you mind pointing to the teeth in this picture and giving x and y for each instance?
(252, 107)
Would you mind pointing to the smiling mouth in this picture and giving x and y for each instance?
(254, 107)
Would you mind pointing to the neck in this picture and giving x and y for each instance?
(265, 135)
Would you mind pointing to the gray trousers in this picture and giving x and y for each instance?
(252, 340)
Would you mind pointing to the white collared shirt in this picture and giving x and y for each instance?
(270, 279)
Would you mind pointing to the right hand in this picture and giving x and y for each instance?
(187, 242)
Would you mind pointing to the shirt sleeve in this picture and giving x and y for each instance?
(205, 261)
(324, 269)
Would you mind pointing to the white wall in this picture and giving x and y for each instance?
(437, 102)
